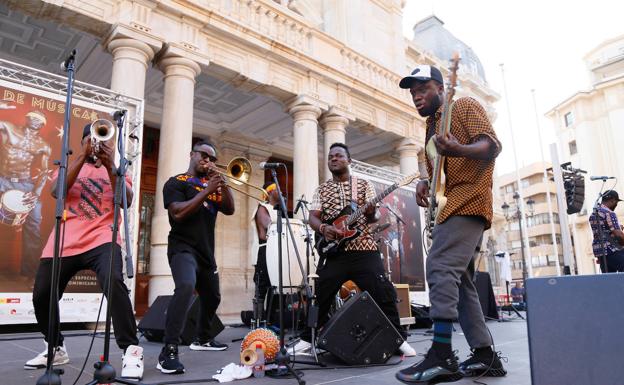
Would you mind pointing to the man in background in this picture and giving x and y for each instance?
(608, 243)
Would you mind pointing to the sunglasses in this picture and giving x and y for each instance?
(205, 156)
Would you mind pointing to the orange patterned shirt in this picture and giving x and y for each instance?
(468, 181)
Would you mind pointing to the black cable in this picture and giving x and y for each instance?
(56, 295)
(400, 360)
(97, 321)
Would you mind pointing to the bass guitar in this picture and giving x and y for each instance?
(437, 189)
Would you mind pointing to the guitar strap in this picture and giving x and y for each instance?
(354, 186)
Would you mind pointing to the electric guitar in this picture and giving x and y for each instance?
(347, 218)
(437, 189)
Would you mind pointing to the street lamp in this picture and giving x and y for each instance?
(517, 215)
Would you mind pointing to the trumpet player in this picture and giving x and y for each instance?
(193, 199)
(87, 244)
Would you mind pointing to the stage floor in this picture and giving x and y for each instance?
(16, 349)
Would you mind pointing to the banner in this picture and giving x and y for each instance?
(31, 129)
(400, 235)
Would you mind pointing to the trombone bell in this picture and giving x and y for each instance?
(238, 171)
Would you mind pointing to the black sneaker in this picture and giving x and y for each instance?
(483, 364)
(168, 361)
(210, 345)
(431, 370)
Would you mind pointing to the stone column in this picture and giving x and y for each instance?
(305, 151)
(334, 130)
(176, 131)
(130, 63)
(408, 156)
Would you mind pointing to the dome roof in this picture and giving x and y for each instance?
(431, 35)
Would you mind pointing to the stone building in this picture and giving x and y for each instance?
(267, 80)
(589, 133)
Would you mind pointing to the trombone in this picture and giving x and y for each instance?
(238, 170)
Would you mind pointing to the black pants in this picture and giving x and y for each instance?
(96, 260)
(188, 276)
(261, 278)
(614, 262)
(367, 271)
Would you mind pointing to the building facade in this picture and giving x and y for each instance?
(589, 133)
(267, 80)
(545, 257)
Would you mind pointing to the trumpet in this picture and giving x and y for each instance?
(101, 130)
(238, 170)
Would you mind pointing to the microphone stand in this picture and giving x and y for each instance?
(104, 372)
(283, 360)
(52, 376)
(313, 310)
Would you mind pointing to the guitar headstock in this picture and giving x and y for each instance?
(407, 180)
(450, 92)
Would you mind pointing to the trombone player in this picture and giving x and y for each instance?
(193, 199)
(87, 244)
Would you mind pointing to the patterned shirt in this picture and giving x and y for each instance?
(90, 212)
(602, 225)
(332, 196)
(468, 181)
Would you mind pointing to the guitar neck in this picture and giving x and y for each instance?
(354, 216)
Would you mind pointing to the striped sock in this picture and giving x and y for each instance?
(442, 333)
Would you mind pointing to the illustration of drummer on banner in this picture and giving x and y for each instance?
(24, 156)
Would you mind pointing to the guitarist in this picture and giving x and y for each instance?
(359, 260)
(470, 148)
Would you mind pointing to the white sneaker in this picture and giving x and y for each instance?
(407, 350)
(132, 362)
(301, 347)
(39, 362)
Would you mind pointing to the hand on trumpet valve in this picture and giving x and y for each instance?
(105, 153)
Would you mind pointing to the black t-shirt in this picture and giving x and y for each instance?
(194, 234)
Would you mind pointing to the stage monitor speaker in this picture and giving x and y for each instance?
(359, 333)
(576, 329)
(405, 308)
(152, 326)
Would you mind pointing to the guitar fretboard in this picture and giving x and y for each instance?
(355, 215)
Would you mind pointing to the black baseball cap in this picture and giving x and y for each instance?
(611, 194)
(86, 131)
(422, 73)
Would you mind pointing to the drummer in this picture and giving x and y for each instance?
(264, 215)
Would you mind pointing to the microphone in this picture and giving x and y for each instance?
(268, 165)
(70, 59)
(119, 114)
(300, 202)
(601, 177)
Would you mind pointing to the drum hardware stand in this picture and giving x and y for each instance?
(383, 240)
(313, 310)
(399, 222)
(104, 372)
(283, 359)
(53, 376)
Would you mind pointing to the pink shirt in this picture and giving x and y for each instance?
(89, 208)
